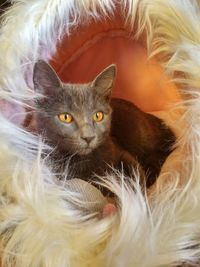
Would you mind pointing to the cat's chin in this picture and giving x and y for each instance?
(85, 151)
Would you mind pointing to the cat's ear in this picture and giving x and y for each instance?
(103, 83)
(45, 79)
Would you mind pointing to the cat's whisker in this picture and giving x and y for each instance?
(16, 114)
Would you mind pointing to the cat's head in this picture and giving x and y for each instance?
(75, 117)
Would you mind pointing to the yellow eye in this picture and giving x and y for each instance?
(98, 116)
(65, 117)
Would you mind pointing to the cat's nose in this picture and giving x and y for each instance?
(88, 139)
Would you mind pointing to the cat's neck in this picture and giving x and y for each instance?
(84, 166)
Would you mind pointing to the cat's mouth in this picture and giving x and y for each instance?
(86, 149)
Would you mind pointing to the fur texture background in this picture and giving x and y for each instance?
(42, 223)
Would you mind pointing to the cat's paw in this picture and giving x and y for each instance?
(109, 209)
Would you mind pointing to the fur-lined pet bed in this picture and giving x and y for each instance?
(43, 223)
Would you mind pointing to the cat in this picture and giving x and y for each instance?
(76, 119)
(98, 131)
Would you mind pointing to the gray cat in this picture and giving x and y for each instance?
(90, 131)
(76, 120)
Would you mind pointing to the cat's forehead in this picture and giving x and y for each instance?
(81, 96)
(78, 91)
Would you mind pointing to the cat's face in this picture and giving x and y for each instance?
(75, 117)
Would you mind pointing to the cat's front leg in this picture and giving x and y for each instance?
(131, 167)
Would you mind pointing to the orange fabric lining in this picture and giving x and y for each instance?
(92, 47)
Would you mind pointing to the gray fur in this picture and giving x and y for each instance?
(69, 140)
(81, 101)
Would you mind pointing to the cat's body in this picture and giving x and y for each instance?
(91, 133)
(143, 135)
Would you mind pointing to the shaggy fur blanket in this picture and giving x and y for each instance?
(43, 223)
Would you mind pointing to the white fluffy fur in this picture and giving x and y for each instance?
(41, 222)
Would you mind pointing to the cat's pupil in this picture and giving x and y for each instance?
(65, 117)
(98, 116)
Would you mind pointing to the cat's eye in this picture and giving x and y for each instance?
(65, 117)
(98, 116)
